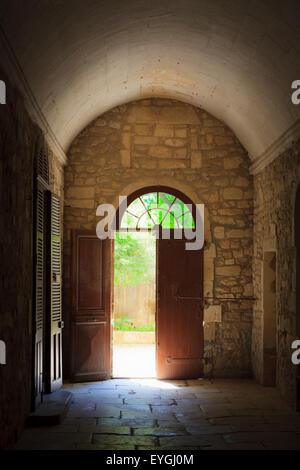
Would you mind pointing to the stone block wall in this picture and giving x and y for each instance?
(166, 142)
(274, 205)
(18, 137)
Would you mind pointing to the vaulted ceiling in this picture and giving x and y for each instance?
(236, 59)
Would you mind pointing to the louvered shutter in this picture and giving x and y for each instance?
(54, 311)
(39, 295)
(41, 185)
(42, 161)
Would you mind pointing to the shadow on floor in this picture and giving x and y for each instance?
(152, 414)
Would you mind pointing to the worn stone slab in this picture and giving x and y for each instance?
(104, 429)
(237, 420)
(53, 409)
(138, 422)
(208, 429)
(105, 439)
(280, 440)
(107, 411)
(203, 441)
(48, 440)
(98, 446)
(149, 401)
(133, 411)
(160, 431)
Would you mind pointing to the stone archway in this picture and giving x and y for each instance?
(171, 143)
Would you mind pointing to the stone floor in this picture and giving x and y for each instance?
(190, 414)
(134, 360)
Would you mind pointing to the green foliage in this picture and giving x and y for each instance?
(134, 259)
(125, 324)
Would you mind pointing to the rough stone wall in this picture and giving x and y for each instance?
(158, 141)
(18, 137)
(274, 204)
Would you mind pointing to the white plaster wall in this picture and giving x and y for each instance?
(237, 59)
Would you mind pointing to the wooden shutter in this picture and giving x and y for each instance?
(39, 298)
(41, 185)
(42, 160)
(53, 363)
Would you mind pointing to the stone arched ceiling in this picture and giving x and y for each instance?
(236, 59)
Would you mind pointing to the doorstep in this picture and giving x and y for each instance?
(52, 411)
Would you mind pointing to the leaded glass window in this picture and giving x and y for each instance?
(157, 208)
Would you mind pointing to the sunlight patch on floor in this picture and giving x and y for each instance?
(134, 360)
(155, 383)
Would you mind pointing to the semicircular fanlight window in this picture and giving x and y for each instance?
(157, 208)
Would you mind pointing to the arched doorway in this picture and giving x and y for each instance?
(176, 266)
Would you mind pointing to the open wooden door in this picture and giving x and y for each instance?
(179, 314)
(91, 307)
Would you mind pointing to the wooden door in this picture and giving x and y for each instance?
(54, 324)
(91, 307)
(179, 314)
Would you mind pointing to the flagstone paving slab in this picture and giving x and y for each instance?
(159, 431)
(107, 439)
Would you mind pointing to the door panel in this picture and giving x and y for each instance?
(179, 329)
(90, 346)
(90, 287)
(91, 299)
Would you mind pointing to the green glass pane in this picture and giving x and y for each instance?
(136, 207)
(178, 208)
(165, 200)
(129, 221)
(169, 221)
(149, 200)
(157, 215)
(186, 221)
(145, 221)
